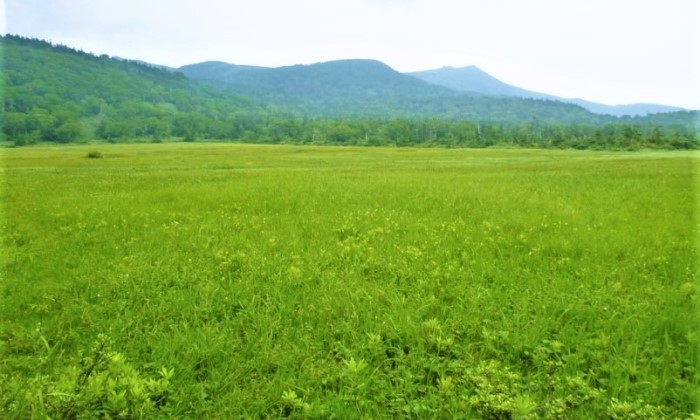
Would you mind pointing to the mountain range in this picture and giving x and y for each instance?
(344, 87)
(473, 79)
(56, 93)
(369, 88)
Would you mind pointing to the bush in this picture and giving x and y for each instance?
(106, 386)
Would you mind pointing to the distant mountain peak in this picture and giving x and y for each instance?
(475, 80)
(469, 68)
(364, 86)
(354, 64)
(467, 79)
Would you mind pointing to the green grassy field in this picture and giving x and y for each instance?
(224, 281)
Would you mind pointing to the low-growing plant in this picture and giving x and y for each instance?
(103, 385)
(347, 282)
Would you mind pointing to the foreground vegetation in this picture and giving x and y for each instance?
(213, 280)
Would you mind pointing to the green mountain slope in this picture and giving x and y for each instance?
(339, 88)
(368, 88)
(474, 80)
(352, 79)
(55, 93)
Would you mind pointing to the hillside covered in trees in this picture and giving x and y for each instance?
(473, 79)
(55, 93)
(371, 89)
(52, 93)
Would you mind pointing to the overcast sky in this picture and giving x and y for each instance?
(609, 51)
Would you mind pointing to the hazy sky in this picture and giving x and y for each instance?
(609, 51)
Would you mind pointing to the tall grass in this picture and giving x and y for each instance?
(234, 280)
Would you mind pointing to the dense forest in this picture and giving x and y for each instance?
(52, 93)
(371, 89)
(55, 93)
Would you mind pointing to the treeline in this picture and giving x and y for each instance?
(154, 124)
(410, 132)
(143, 121)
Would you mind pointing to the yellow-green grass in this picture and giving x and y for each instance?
(218, 280)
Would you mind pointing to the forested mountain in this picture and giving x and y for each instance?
(368, 88)
(340, 88)
(55, 93)
(629, 110)
(349, 78)
(474, 80)
(687, 119)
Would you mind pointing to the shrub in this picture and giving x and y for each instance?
(105, 385)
